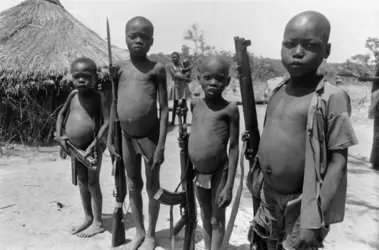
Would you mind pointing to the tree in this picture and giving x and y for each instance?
(195, 35)
(365, 63)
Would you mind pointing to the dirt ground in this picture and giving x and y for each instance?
(38, 203)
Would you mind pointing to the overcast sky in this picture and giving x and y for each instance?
(261, 21)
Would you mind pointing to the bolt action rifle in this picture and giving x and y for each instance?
(185, 198)
(251, 136)
(118, 171)
(362, 78)
(78, 154)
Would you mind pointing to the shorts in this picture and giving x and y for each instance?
(205, 180)
(145, 146)
(277, 225)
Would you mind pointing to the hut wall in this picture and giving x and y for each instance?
(30, 117)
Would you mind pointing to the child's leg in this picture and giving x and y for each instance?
(204, 197)
(152, 186)
(174, 107)
(97, 202)
(85, 196)
(132, 163)
(184, 105)
(218, 214)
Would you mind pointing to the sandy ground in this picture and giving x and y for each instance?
(38, 203)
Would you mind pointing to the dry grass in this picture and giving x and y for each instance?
(359, 93)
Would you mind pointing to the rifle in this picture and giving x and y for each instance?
(185, 198)
(364, 78)
(118, 171)
(251, 136)
(74, 152)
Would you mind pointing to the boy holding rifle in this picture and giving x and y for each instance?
(304, 145)
(139, 82)
(215, 121)
(87, 122)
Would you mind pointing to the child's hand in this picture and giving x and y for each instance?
(158, 157)
(89, 151)
(225, 197)
(112, 151)
(61, 141)
(307, 239)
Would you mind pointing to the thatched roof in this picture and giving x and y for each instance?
(38, 41)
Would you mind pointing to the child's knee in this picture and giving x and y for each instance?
(152, 186)
(218, 222)
(135, 184)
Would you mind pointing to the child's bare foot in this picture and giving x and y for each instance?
(136, 242)
(95, 228)
(148, 244)
(76, 229)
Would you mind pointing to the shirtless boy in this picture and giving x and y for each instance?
(144, 134)
(87, 122)
(215, 121)
(304, 146)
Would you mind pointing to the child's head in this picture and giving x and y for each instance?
(305, 43)
(84, 73)
(186, 62)
(214, 75)
(139, 33)
(175, 57)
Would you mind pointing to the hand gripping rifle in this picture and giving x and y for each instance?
(185, 198)
(78, 154)
(118, 171)
(251, 136)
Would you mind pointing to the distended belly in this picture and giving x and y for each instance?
(80, 130)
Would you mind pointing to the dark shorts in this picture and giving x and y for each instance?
(275, 224)
(144, 146)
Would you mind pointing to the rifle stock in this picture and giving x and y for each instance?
(119, 191)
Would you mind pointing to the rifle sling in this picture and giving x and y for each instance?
(233, 213)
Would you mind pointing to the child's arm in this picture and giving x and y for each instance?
(225, 196)
(175, 75)
(103, 128)
(336, 170)
(61, 116)
(163, 115)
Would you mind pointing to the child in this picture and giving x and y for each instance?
(87, 122)
(215, 121)
(186, 69)
(144, 134)
(304, 145)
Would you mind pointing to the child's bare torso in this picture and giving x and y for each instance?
(84, 118)
(137, 98)
(282, 147)
(207, 145)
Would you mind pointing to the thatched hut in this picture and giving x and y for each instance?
(38, 41)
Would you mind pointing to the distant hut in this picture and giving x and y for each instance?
(38, 41)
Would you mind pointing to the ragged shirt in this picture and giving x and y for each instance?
(328, 128)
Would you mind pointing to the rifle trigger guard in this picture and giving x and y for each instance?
(245, 136)
(115, 194)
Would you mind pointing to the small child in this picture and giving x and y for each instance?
(186, 69)
(87, 123)
(215, 121)
(304, 145)
(140, 81)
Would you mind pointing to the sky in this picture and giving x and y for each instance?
(261, 21)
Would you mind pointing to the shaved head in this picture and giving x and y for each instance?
(214, 63)
(140, 21)
(311, 20)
